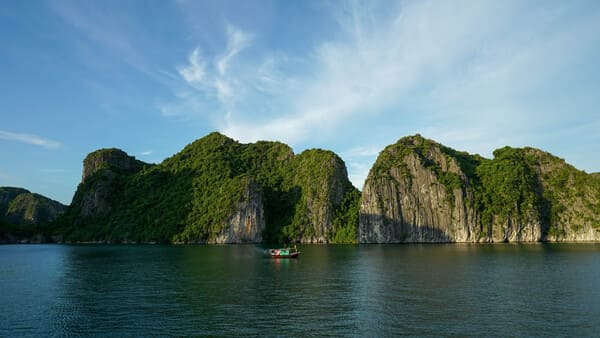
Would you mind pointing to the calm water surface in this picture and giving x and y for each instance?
(375, 290)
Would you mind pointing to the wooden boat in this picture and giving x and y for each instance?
(284, 253)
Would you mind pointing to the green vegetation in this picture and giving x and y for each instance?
(509, 186)
(346, 218)
(394, 157)
(189, 197)
(24, 214)
(520, 184)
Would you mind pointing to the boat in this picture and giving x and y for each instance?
(284, 253)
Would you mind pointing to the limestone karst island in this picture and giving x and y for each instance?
(217, 190)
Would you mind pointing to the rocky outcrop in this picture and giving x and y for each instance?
(113, 159)
(421, 191)
(571, 199)
(94, 202)
(24, 216)
(100, 169)
(7, 195)
(247, 222)
(19, 206)
(323, 180)
(405, 200)
(216, 190)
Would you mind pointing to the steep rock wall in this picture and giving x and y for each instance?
(247, 222)
(404, 201)
(421, 192)
(100, 169)
(323, 179)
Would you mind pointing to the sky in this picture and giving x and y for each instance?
(150, 77)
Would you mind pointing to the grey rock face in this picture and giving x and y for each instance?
(95, 201)
(574, 196)
(247, 223)
(405, 199)
(114, 159)
(407, 203)
(104, 165)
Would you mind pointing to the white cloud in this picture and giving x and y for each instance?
(236, 42)
(194, 72)
(224, 90)
(370, 67)
(146, 153)
(358, 172)
(464, 73)
(361, 151)
(359, 160)
(30, 139)
(214, 79)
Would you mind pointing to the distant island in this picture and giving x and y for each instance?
(217, 190)
(25, 216)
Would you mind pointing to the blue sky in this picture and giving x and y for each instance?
(150, 77)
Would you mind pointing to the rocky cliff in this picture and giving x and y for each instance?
(113, 159)
(102, 172)
(247, 221)
(417, 192)
(570, 198)
(216, 190)
(421, 191)
(323, 180)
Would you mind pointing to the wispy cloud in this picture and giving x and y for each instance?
(361, 151)
(476, 75)
(109, 29)
(237, 40)
(113, 33)
(194, 72)
(146, 153)
(213, 78)
(359, 162)
(30, 139)
(375, 62)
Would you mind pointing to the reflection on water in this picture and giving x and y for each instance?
(372, 290)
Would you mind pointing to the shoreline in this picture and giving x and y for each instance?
(133, 243)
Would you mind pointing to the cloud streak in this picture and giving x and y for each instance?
(474, 75)
(193, 72)
(30, 139)
(213, 79)
(371, 66)
(236, 42)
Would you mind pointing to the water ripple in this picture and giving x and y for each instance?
(449, 290)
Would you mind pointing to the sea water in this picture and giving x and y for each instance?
(339, 290)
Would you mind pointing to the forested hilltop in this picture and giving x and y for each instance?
(24, 214)
(421, 191)
(215, 190)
